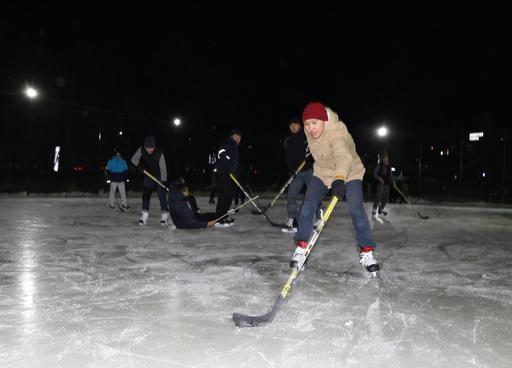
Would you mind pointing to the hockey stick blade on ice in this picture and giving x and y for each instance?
(233, 211)
(233, 177)
(423, 217)
(243, 320)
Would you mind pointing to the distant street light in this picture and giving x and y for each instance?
(382, 131)
(31, 92)
(177, 123)
(120, 132)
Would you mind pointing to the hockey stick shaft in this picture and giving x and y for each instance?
(233, 177)
(155, 180)
(290, 179)
(408, 202)
(255, 321)
(236, 208)
(285, 185)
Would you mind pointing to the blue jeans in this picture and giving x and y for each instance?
(316, 192)
(301, 179)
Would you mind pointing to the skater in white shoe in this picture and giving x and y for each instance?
(295, 150)
(338, 167)
(383, 178)
(117, 173)
(151, 159)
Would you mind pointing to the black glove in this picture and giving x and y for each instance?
(338, 188)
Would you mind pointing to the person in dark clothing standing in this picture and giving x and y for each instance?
(242, 174)
(227, 163)
(151, 159)
(383, 177)
(295, 150)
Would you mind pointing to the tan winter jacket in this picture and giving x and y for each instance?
(335, 153)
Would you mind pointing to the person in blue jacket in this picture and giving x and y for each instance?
(184, 211)
(117, 171)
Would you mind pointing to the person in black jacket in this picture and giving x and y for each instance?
(184, 211)
(383, 177)
(227, 163)
(151, 159)
(295, 150)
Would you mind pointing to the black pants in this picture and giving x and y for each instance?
(207, 216)
(226, 192)
(149, 185)
(381, 196)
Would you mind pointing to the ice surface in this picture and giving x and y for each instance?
(84, 286)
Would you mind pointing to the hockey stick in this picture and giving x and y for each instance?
(232, 211)
(155, 180)
(283, 188)
(242, 320)
(423, 217)
(233, 177)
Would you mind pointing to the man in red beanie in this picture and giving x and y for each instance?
(338, 167)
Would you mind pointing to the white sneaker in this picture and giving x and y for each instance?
(291, 226)
(368, 261)
(299, 254)
(144, 218)
(164, 220)
(225, 222)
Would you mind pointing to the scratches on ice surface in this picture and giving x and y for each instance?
(85, 286)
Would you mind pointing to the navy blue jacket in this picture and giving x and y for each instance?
(295, 149)
(227, 158)
(182, 213)
(154, 163)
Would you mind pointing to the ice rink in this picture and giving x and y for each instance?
(85, 286)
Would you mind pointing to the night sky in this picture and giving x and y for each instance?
(410, 64)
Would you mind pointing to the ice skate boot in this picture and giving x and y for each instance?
(225, 222)
(382, 212)
(125, 208)
(164, 220)
(291, 226)
(144, 218)
(299, 254)
(368, 261)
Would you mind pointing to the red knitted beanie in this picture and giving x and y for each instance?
(315, 110)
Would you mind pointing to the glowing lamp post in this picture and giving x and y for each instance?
(31, 93)
(177, 123)
(382, 132)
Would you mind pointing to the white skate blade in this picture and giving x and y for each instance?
(288, 231)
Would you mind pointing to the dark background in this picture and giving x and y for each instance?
(430, 71)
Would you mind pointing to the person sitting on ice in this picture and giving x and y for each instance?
(338, 167)
(183, 213)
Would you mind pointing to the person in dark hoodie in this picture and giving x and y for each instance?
(295, 150)
(227, 163)
(184, 211)
(151, 159)
(383, 178)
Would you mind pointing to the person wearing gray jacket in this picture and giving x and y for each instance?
(151, 159)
